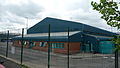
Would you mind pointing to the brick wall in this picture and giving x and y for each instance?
(74, 47)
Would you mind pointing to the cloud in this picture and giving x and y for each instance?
(25, 10)
(77, 10)
(77, 4)
(12, 12)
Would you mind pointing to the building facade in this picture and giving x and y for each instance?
(80, 37)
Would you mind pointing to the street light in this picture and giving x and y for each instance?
(26, 27)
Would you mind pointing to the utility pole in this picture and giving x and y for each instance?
(49, 46)
(22, 45)
(68, 51)
(7, 43)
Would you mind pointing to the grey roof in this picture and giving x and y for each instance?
(74, 36)
(52, 34)
(55, 36)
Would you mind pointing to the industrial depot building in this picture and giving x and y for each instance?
(82, 37)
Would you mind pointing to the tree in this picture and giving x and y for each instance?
(110, 13)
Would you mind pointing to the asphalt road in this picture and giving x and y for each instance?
(38, 59)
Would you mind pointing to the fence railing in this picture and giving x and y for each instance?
(57, 50)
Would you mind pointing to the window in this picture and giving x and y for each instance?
(34, 43)
(43, 44)
(40, 44)
(57, 45)
(31, 44)
(19, 42)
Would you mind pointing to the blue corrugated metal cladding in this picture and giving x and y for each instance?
(58, 25)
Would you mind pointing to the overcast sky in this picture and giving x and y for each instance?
(14, 13)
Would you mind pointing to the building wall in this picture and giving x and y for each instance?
(37, 47)
(106, 47)
(16, 43)
(74, 47)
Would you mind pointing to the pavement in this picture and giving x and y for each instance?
(8, 63)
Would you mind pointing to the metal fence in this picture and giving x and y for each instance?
(58, 54)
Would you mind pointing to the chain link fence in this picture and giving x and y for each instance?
(65, 49)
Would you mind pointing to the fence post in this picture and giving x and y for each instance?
(116, 57)
(22, 46)
(68, 50)
(49, 47)
(7, 43)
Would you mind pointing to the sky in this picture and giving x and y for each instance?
(18, 14)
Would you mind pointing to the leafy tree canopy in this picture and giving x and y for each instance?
(109, 10)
